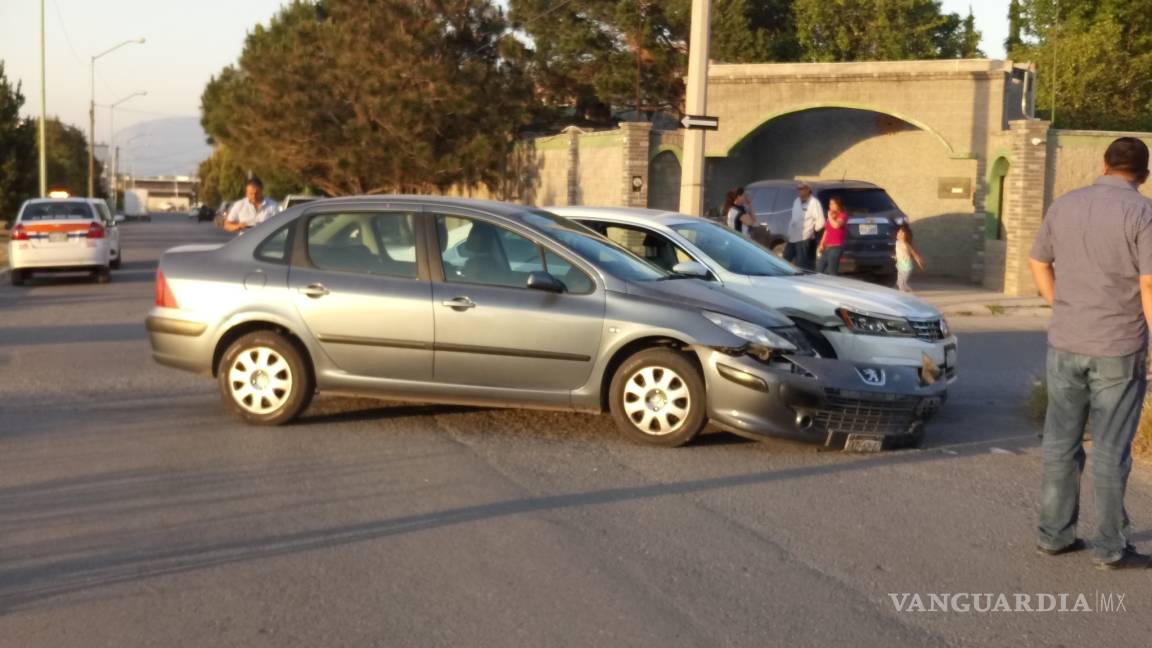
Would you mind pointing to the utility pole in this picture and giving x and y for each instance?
(696, 103)
(43, 111)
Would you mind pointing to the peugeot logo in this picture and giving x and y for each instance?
(874, 377)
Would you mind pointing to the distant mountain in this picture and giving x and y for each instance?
(169, 146)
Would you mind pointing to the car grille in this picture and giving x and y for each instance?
(862, 413)
(930, 329)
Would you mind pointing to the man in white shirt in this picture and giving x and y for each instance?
(251, 211)
(807, 219)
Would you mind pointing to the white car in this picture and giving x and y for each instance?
(64, 235)
(843, 318)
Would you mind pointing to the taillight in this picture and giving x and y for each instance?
(95, 231)
(164, 296)
(19, 233)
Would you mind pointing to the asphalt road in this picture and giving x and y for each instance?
(135, 512)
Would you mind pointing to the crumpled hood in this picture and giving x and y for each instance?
(849, 293)
(704, 295)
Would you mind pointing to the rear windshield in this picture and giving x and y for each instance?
(860, 201)
(42, 211)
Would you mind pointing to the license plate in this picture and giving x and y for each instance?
(57, 237)
(869, 229)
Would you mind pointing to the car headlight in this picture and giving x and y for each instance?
(874, 325)
(750, 332)
(945, 331)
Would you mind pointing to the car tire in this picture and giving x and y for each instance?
(264, 379)
(102, 275)
(18, 277)
(658, 397)
(115, 263)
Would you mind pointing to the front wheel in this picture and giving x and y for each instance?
(658, 397)
(264, 379)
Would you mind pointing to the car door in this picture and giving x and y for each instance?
(359, 283)
(111, 228)
(494, 331)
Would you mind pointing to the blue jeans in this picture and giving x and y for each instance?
(799, 254)
(829, 262)
(1110, 391)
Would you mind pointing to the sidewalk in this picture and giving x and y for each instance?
(956, 298)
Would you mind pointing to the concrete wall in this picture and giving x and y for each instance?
(1076, 158)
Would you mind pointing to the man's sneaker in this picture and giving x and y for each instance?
(1130, 559)
(1074, 546)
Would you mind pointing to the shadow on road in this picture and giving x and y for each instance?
(126, 559)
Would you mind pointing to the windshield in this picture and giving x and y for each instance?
(63, 210)
(860, 201)
(733, 252)
(599, 251)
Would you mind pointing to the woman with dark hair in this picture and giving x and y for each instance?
(736, 211)
(832, 243)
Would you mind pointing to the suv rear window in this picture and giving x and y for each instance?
(860, 201)
(56, 211)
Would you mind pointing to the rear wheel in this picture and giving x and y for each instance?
(658, 397)
(102, 275)
(115, 263)
(264, 379)
(19, 277)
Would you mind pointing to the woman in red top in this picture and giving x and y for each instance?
(832, 244)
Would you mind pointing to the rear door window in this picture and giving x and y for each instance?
(377, 243)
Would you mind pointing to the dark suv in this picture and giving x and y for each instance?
(872, 219)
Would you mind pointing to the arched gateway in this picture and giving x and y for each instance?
(924, 130)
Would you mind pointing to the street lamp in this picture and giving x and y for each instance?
(92, 113)
(115, 150)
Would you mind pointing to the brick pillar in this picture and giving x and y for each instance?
(637, 142)
(573, 194)
(1024, 202)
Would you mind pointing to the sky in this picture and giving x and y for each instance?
(187, 43)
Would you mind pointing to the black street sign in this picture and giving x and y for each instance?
(700, 122)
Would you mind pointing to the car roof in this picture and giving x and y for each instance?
(72, 199)
(817, 185)
(506, 210)
(624, 214)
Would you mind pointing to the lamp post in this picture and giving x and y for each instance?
(696, 103)
(113, 149)
(43, 111)
(92, 113)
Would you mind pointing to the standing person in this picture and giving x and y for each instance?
(739, 212)
(832, 242)
(253, 210)
(1092, 260)
(906, 255)
(807, 218)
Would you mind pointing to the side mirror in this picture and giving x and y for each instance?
(546, 282)
(691, 269)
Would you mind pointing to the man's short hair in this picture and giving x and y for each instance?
(256, 182)
(1127, 154)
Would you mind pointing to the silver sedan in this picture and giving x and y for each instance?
(472, 302)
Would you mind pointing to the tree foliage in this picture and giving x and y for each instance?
(754, 31)
(17, 149)
(881, 30)
(67, 159)
(369, 96)
(1093, 59)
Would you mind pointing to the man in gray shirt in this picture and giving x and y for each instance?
(1092, 261)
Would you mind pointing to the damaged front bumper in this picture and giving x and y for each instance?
(832, 402)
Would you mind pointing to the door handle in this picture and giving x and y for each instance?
(459, 303)
(315, 291)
